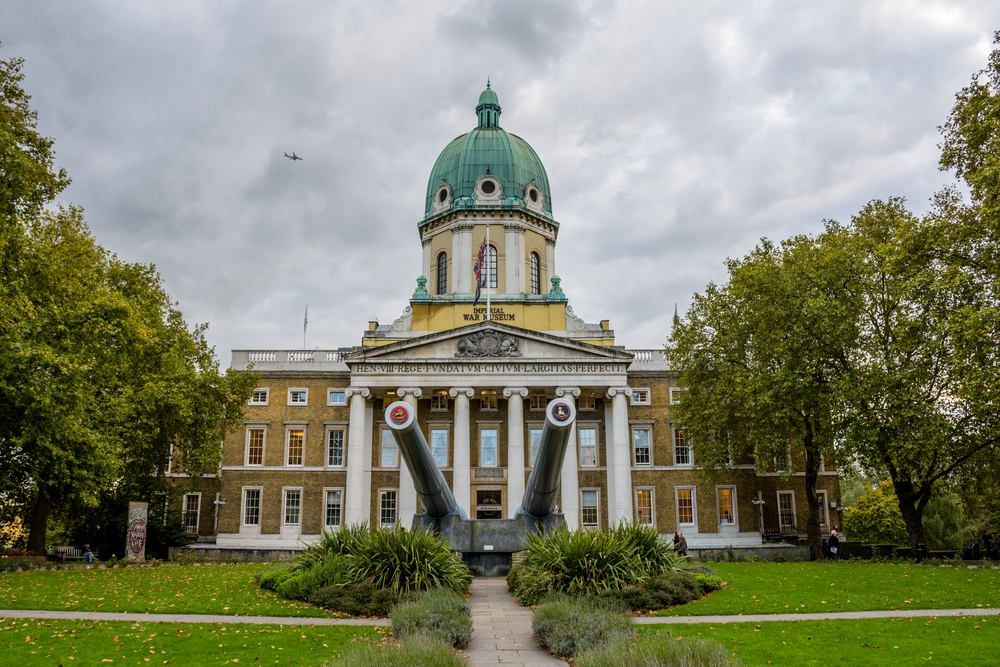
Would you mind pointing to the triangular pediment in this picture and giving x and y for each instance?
(488, 341)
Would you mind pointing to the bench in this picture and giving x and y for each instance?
(73, 553)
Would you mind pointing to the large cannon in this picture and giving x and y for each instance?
(487, 544)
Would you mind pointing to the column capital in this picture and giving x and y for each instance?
(455, 391)
(462, 227)
(573, 391)
(363, 391)
(425, 241)
(520, 391)
(416, 392)
(616, 391)
(550, 242)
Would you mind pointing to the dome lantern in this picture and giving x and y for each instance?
(488, 109)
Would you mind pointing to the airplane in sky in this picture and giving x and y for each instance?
(293, 156)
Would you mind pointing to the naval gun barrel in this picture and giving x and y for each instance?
(437, 498)
(543, 484)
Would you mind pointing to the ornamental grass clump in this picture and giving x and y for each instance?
(340, 542)
(405, 561)
(416, 651)
(439, 613)
(566, 625)
(655, 555)
(655, 651)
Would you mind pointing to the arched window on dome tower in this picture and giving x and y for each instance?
(535, 273)
(491, 266)
(442, 269)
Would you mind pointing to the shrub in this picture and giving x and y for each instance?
(405, 561)
(655, 555)
(290, 588)
(417, 651)
(566, 625)
(340, 542)
(708, 582)
(663, 590)
(357, 599)
(703, 569)
(271, 579)
(442, 614)
(654, 651)
(328, 572)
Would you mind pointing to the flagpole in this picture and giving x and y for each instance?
(305, 325)
(489, 267)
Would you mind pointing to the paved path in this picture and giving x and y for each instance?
(186, 618)
(832, 616)
(501, 629)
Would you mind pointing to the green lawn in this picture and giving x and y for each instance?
(185, 589)
(55, 642)
(884, 642)
(789, 588)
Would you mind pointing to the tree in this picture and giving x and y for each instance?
(100, 376)
(754, 356)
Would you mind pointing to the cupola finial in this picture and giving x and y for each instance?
(488, 110)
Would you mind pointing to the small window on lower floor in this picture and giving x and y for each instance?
(333, 508)
(588, 447)
(387, 508)
(251, 507)
(293, 506)
(644, 506)
(192, 507)
(727, 506)
(536, 440)
(588, 508)
(685, 506)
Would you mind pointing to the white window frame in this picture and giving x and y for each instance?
(718, 506)
(197, 513)
(285, 490)
(635, 459)
(587, 400)
(538, 400)
(253, 397)
(488, 404)
(331, 428)
(652, 503)
(327, 490)
(579, 444)
(482, 430)
(534, 427)
(382, 494)
(288, 441)
(674, 430)
(170, 461)
(694, 506)
(795, 516)
(297, 390)
(381, 449)
(447, 442)
(639, 396)
(675, 394)
(439, 401)
(824, 517)
(596, 525)
(243, 505)
(263, 445)
(335, 391)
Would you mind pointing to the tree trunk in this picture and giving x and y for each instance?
(813, 534)
(39, 522)
(912, 518)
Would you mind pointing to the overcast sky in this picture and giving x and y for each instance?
(675, 134)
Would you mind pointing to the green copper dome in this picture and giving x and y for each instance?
(489, 149)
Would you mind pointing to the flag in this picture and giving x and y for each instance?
(480, 270)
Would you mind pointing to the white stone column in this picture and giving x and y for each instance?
(407, 492)
(426, 243)
(514, 257)
(461, 255)
(570, 476)
(356, 464)
(515, 447)
(609, 452)
(622, 455)
(550, 265)
(462, 475)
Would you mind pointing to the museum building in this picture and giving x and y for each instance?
(487, 340)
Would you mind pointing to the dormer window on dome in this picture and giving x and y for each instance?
(488, 189)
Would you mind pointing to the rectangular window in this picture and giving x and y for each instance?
(587, 401)
(588, 447)
(786, 511)
(537, 400)
(727, 506)
(675, 395)
(488, 448)
(685, 505)
(336, 397)
(255, 447)
(390, 450)
(644, 506)
(296, 447)
(298, 396)
(192, 507)
(439, 401)
(588, 507)
(536, 440)
(333, 508)
(387, 508)
(439, 446)
(488, 400)
(682, 453)
(335, 447)
(640, 397)
(259, 397)
(640, 443)
(823, 508)
(293, 505)
(251, 507)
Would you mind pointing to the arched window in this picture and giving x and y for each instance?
(491, 267)
(442, 273)
(536, 279)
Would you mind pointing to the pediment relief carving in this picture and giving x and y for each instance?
(488, 343)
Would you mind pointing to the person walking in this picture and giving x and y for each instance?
(677, 541)
(683, 545)
(834, 543)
